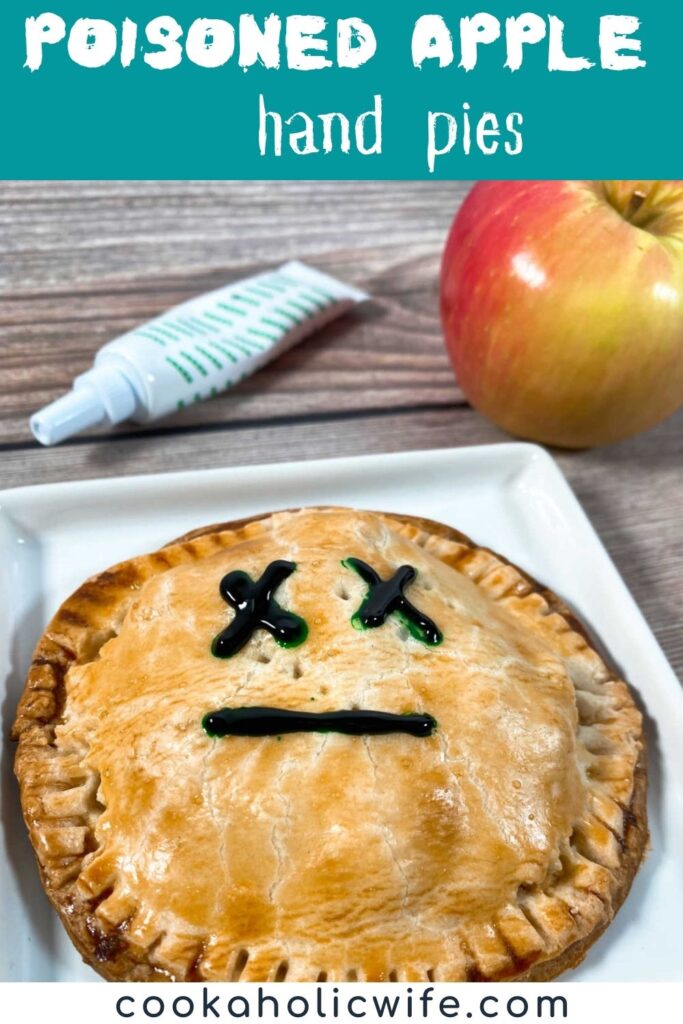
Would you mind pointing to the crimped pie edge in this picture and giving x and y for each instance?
(566, 926)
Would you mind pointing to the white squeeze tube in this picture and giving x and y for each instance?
(196, 350)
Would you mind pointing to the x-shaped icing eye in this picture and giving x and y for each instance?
(256, 608)
(386, 597)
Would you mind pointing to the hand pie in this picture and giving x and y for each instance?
(328, 745)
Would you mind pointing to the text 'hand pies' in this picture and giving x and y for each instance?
(328, 745)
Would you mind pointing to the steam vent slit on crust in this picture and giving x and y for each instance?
(480, 815)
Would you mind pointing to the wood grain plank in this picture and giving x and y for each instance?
(79, 265)
(67, 234)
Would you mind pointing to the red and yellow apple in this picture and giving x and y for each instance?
(562, 306)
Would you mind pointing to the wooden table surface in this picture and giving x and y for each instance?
(83, 262)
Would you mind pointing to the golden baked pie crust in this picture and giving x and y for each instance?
(547, 928)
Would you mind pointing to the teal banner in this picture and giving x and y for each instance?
(354, 89)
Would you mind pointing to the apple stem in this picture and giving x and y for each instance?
(634, 204)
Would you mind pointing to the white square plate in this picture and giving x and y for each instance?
(511, 497)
